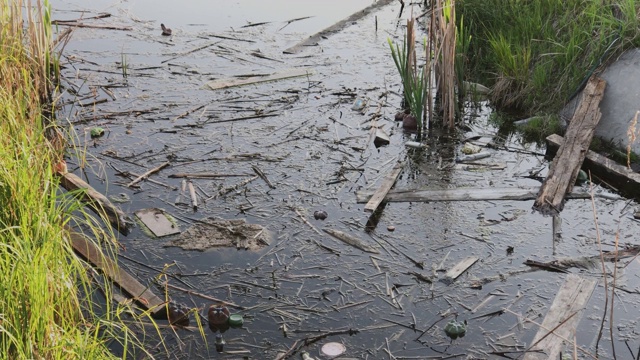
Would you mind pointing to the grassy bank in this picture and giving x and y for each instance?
(536, 54)
(43, 315)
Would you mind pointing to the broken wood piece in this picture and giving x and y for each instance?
(351, 240)
(194, 197)
(465, 194)
(280, 75)
(559, 325)
(458, 269)
(384, 188)
(564, 169)
(146, 174)
(156, 220)
(141, 294)
(262, 176)
(99, 203)
(315, 38)
(624, 179)
(203, 175)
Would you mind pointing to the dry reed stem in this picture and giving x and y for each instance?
(631, 136)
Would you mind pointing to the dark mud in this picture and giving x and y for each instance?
(148, 92)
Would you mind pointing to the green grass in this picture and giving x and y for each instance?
(536, 54)
(46, 292)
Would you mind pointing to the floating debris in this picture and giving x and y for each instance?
(165, 30)
(320, 215)
(209, 233)
(455, 329)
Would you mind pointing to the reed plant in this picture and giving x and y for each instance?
(414, 80)
(46, 291)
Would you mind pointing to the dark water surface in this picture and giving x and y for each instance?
(317, 152)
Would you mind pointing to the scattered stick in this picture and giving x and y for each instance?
(231, 188)
(280, 75)
(194, 198)
(146, 174)
(262, 176)
(203, 175)
(96, 26)
(351, 240)
(206, 297)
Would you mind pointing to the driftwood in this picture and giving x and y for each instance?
(566, 165)
(203, 175)
(562, 318)
(99, 203)
(315, 38)
(192, 193)
(464, 194)
(146, 174)
(141, 294)
(351, 240)
(623, 178)
(280, 75)
(384, 188)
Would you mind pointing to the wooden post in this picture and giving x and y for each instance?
(565, 166)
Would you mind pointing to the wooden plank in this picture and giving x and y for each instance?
(564, 169)
(140, 293)
(384, 188)
(99, 203)
(568, 304)
(620, 176)
(458, 269)
(315, 38)
(280, 75)
(156, 220)
(465, 194)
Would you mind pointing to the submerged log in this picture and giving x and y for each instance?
(566, 165)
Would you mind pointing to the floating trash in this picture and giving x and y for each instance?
(455, 329)
(332, 350)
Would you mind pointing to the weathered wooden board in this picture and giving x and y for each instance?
(156, 220)
(384, 188)
(571, 299)
(280, 75)
(566, 165)
(315, 38)
(458, 269)
(623, 178)
(97, 202)
(140, 293)
(464, 194)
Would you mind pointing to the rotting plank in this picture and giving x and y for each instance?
(97, 202)
(458, 269)
(384, 188)
(568, 304)
(623, 178)
(564, 169)
(315, 38)
(141, 294)
(280, 75)
(464, 194)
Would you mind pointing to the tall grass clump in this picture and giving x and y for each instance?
(537, 54)
(45, 290)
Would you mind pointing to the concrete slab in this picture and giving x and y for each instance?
(620, 102)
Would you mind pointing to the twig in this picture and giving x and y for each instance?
(192, 193)
(231, 188)
(311, 339)
(206, 297)
(146, 174)
(262, 176)
(604, 269)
